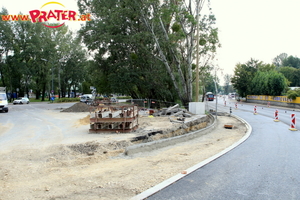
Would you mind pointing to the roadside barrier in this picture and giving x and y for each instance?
(276, 116)
(293, 122)
(255, 111)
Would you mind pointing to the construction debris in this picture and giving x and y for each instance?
(117, 119)
(78, 107)
(228, 126)
(173, 111)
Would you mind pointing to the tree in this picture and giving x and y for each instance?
(147, 45)
(269, 83)
(290, 74)
(291, 61)
(227, 79)
(278, 60)
(293, 94)
(243, 75)
(34, 56)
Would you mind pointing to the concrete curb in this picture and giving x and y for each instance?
(175, 178)
(145, 147)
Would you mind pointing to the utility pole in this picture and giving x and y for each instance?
(216, 88)
(197, 53)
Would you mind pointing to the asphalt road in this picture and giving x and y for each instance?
(37, 125)
(266, 166)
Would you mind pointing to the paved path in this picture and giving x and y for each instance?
(266, 166)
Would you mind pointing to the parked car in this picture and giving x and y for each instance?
(86, 98)
(21, 100)
(114, 100)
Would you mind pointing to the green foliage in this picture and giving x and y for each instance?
(34, 57)
(176, 27)
(291, 61)
(63, 100)
(292, 74)
(228, 87)
(202, 42)
(293, 94)
(278, 60)
(257, 78)
(124, 97)
(243, 75)
(145, 48)
(268, 83)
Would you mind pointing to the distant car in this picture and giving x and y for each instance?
(86, 98)
(113, 99)
(21, 100)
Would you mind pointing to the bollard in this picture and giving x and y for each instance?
(268, 103)
(230, 111)
(236, 106)
(225, 103)
(293, 122)
(255, 111)
(276, 116)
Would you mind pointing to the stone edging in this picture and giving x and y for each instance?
(149, 146)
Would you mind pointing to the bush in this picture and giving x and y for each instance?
(125, 97)
(61, 100)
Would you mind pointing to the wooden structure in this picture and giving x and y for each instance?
(114, 118)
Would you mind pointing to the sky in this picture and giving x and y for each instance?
(259, 29)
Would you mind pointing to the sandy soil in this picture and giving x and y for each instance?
(94, 170)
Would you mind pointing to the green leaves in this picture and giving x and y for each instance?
(256, 78)
(37, 56)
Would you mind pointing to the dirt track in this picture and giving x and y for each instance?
(94, 170)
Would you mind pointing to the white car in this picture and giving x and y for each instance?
(113, 100)
(21, 100)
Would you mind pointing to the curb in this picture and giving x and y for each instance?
(175, 178)
(145, 147)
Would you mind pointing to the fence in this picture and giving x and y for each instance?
(151, 103)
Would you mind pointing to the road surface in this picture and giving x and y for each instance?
(266, 166)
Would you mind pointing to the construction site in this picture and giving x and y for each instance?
(110, 151)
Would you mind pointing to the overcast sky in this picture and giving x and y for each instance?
(259, 29)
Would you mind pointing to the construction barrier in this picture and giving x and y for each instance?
(276, 116)
(255, 111)
(293, 122)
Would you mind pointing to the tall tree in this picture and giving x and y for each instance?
(278, 60)
(290, 74)
(243, 75)
(291, 61)
(147, 45)
(227, 79)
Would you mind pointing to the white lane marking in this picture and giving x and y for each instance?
(38, 119)
(49, 127)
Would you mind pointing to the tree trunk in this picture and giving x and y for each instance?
(44, 92)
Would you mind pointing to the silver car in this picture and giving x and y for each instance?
(21, 100)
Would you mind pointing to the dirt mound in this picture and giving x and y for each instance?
(78, 107)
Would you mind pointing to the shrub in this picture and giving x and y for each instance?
(61, 100)
(292, 94)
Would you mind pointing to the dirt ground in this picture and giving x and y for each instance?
(95, 170)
